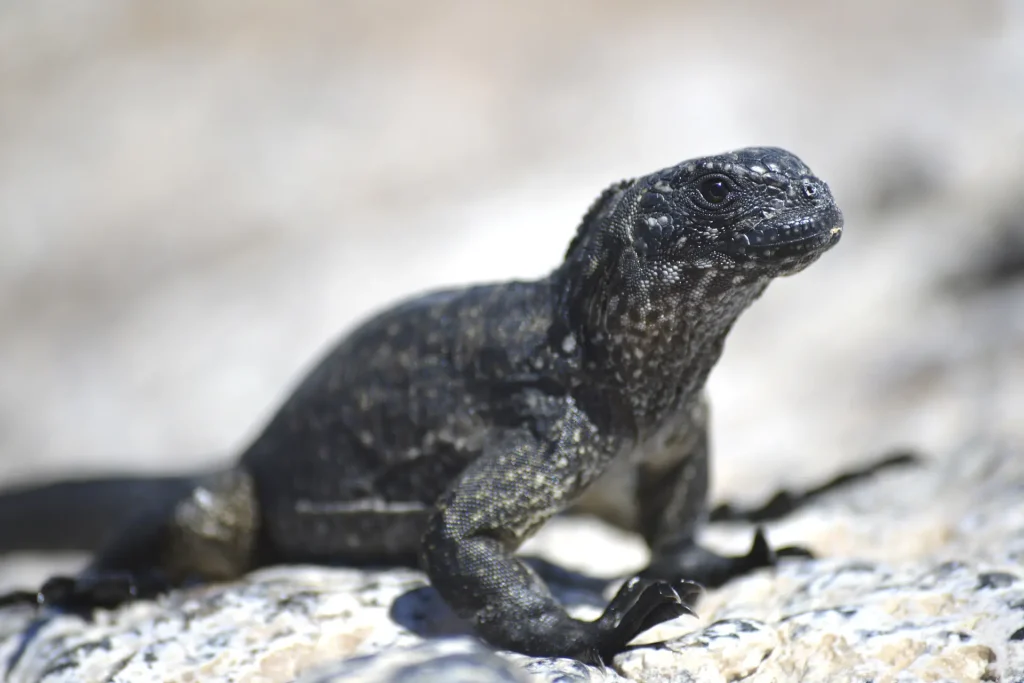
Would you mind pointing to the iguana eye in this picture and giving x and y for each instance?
(714, 190)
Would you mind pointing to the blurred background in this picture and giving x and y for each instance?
(198, 197)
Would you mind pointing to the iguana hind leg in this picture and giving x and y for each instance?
(209, 534)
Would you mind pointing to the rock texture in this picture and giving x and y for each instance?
(194, 200)
(921, 580)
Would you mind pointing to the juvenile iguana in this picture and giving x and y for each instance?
(443, 432)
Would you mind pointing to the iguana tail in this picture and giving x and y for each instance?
(79, 514)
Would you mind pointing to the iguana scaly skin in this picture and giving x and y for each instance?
(445, 431)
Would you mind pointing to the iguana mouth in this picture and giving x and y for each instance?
(803, 235)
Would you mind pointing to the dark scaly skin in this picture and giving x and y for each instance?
(447, 430)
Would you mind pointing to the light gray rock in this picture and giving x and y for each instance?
(453, 661)
(268, 628)
(921, 580)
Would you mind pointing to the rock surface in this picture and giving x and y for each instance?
(921, 580)
(194, 202)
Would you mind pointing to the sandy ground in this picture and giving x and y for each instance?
(196, 198)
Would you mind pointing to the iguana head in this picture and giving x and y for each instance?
(662, 266)
(748, 214)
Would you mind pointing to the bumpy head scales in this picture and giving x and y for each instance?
(758, 211)
(662, 266)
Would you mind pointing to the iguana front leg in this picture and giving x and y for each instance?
(521, 480)
(672, 497)
(672, 502)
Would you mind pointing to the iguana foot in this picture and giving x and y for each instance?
(83, 594)
(640, 605)
(710, 569)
